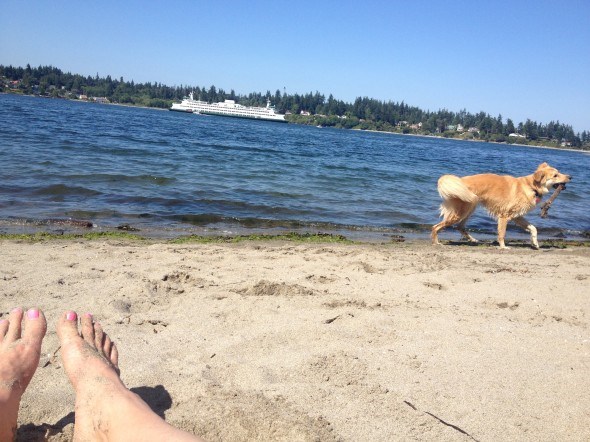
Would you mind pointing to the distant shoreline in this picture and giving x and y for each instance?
(569, 149)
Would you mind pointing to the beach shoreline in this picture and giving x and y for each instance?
(56, 228)
(287, 340)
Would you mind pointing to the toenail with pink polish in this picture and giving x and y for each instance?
(71, 316)
(33, 313)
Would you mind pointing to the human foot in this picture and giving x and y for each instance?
(19, 356)
(90, 360)
(105, 408)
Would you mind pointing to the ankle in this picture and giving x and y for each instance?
(9, 405)
(115, 413)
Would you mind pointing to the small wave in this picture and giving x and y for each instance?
(112, 216)
(209, 219)
(58, 190)
(93, 214)
(205, 219)
(130, 200)
(198, 220)
(231, 206)
(118, 178)
(414, 227)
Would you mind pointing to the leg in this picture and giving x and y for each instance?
(105, 408)
(437, 228)
(502, 223)
(465, 233)
(19, 356)
(451, 213)
(461, 226)
(522, 222)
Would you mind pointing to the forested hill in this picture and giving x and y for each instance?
(311, 108)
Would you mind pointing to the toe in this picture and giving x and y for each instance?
(99, 337)
(35, 326)
(14, 325)
(111, 353)
(87, 327)
(115, 356)
(107, 347)
(3, 328)
(67, 327)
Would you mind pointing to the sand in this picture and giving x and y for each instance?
(296, 342)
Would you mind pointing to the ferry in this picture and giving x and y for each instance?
(228, 108)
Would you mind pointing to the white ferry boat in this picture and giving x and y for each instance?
(228, 108)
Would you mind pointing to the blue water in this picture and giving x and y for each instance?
(178, 173)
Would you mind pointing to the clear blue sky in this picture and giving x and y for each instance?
(521, 59)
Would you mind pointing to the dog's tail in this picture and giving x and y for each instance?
(452, 187)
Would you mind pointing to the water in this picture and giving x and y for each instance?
(170, 173)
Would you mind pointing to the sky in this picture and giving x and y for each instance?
(519, 59)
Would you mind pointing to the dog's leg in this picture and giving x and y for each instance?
(448, 221)
(502, 223)
(465, 233)
(437, 228)
(452, 212)
(461, 226)
(522, 222)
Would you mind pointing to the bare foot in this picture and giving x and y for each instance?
(19, 356)
(105, 408)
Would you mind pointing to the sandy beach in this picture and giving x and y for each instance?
(299, 342)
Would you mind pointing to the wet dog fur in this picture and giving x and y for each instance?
(505, 197)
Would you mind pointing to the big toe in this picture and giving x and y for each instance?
(35, 326)
(67, 327)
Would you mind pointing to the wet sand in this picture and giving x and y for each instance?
(289, 341)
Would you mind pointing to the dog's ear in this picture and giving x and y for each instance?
(539, 176)
(542, 165)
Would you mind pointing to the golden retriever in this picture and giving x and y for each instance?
(506, 198)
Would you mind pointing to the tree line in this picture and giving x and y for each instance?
(310, 108)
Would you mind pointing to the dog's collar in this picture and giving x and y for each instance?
(538, 196)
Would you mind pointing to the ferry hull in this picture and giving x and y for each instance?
(243, 117)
